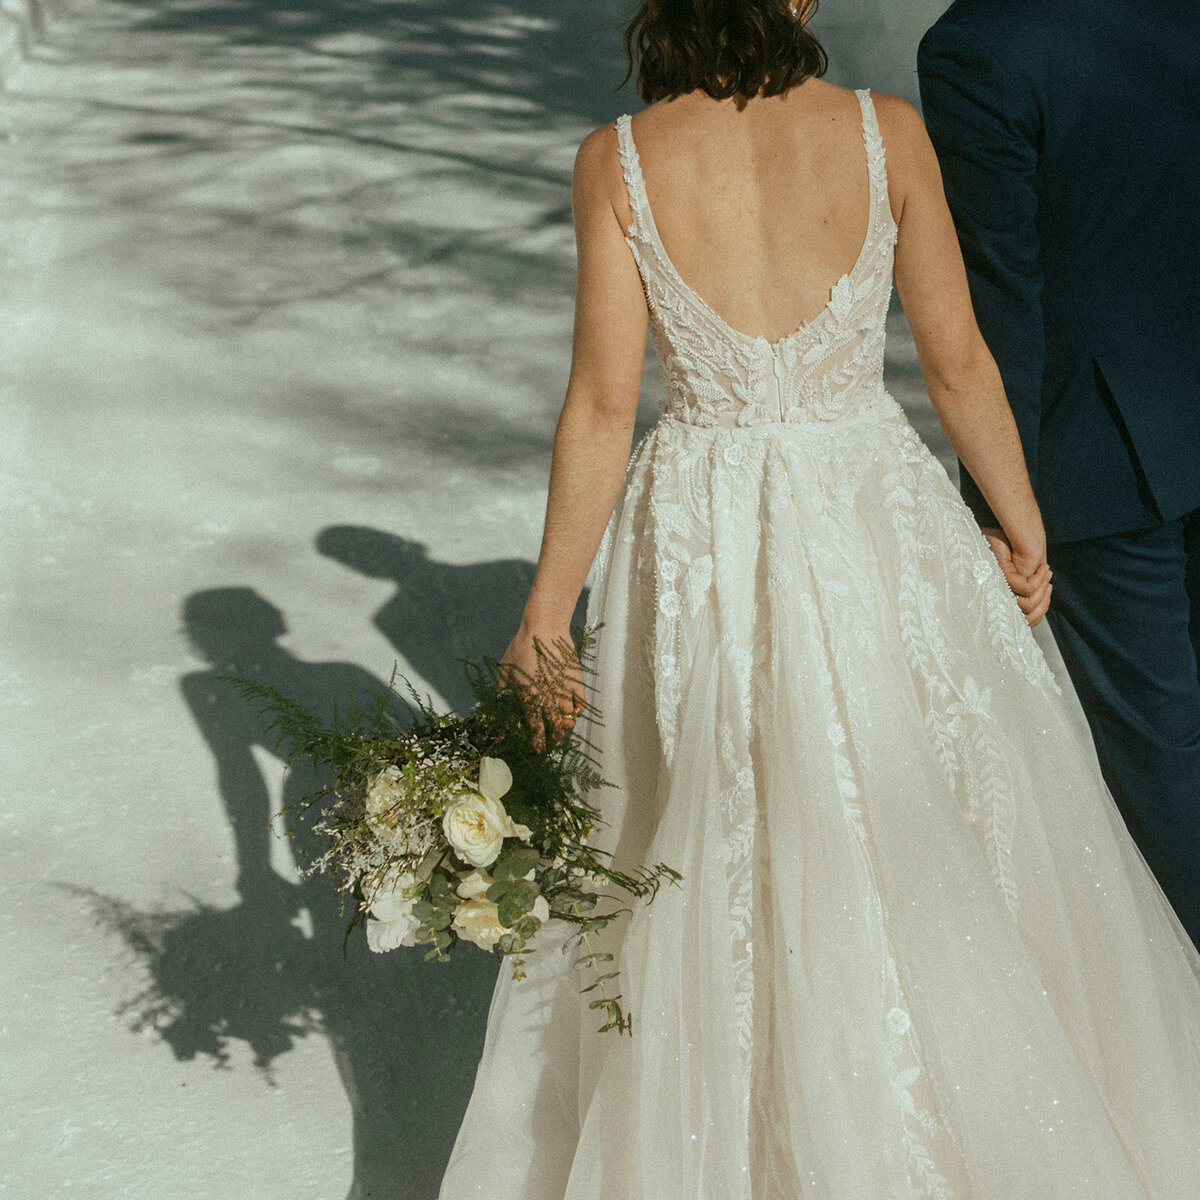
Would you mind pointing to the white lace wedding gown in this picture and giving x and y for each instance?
(914, 952)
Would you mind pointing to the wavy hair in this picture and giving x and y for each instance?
(726, 48)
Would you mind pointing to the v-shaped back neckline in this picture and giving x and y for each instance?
(643, 214)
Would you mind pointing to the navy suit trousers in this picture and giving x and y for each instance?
(1126, 616)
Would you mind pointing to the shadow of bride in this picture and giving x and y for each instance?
(406, 1036)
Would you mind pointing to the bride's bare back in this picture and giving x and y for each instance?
(761, 209)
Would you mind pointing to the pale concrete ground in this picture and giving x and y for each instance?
(285, 309)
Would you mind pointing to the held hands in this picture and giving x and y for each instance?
(1027, 573)
(544, 664)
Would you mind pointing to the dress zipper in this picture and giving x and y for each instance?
(777, 362)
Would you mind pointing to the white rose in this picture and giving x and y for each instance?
(385, 808)
(390, 920)
(478, 921)
(476, 823)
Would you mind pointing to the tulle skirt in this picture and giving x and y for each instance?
(914, 952)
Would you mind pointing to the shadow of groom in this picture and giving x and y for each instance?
(440, 613)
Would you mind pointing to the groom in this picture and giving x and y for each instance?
(1069, 138)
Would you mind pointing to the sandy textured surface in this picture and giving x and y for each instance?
(285, 308)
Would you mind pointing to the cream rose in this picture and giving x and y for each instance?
(476, 823)
(478, 921)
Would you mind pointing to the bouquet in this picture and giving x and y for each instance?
(445, 828)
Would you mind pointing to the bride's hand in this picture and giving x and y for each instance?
(542, 663)
(1027, 573)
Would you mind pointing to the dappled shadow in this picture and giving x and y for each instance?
(389, 179)
(256, 158)
(550, 57)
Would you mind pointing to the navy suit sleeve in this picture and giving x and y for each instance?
(985, 127)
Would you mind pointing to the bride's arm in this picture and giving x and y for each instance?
(595, 429)
(960, 374)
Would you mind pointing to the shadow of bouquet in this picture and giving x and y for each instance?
(251, 973)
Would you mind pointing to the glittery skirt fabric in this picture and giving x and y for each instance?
(914, 952)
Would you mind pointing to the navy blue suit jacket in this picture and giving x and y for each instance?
(1069, 137)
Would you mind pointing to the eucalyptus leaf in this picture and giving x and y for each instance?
(439, 919)
(527, 926)
(515, 862)
(590, 960)
(519, 900)
(564, 906)
(601, 980)
(440, 886)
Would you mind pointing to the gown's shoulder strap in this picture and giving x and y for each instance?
(635, 187)
(881, 208)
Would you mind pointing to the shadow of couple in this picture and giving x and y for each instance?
(406, 1036)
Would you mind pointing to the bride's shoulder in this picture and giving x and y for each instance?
(597, 153)
(911, 163)
(597, 162)
(902, 130)
(897, 117)
(598, 174)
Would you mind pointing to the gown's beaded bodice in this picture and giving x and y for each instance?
(718, 376)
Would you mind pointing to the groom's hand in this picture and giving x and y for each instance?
(1027, 573)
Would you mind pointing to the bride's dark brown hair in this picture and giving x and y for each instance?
(726, 48)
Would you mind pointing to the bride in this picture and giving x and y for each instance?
(914, 952)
